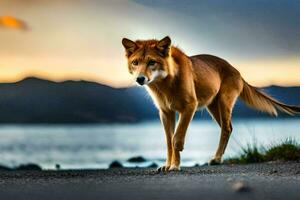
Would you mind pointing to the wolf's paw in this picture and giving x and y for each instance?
(164, 168)
(215, 161)
(174, 168)
(178, 144)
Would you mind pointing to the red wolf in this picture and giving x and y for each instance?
(181, 83)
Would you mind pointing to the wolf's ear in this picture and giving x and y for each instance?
(129, 46)
(164, 45)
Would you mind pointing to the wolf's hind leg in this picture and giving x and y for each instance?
(225, 106)
(214, 111)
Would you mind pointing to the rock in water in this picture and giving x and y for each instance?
(137, 159)
(30, 166)
(4, 168)
(57, 166)
(153, 165)
(115, 164)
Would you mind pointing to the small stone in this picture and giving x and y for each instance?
(240, 186)
(229, 179)
(273, 171)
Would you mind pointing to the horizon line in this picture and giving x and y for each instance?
(107, 84)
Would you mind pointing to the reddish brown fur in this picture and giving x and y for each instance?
(191, 83)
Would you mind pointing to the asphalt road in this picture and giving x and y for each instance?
(257, 181)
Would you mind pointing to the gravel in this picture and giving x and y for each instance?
(253, 181)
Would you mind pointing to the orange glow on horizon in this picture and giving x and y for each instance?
(264, 72)
(109, 72)
(284, 72)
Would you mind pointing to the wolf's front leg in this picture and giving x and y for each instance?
(168, 120)
(185, 118)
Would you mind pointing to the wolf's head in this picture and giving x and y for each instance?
(148, 59)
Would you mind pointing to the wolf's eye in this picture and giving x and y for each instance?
(151, 63)
(135, 62)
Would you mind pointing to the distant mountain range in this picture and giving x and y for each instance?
(34, 100)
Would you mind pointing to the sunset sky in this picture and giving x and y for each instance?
(81, 39)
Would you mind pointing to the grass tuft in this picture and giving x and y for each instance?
(287, 150)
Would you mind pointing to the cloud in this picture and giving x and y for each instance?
(245, 28)
(12, 22)
(82, 39)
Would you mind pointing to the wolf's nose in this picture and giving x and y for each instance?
(140, 80)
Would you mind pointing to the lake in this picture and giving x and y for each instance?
(96, 146)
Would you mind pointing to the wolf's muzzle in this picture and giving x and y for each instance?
(141, 80)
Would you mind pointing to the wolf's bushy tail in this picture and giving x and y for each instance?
(263, 102)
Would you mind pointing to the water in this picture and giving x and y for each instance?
(95, 146)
